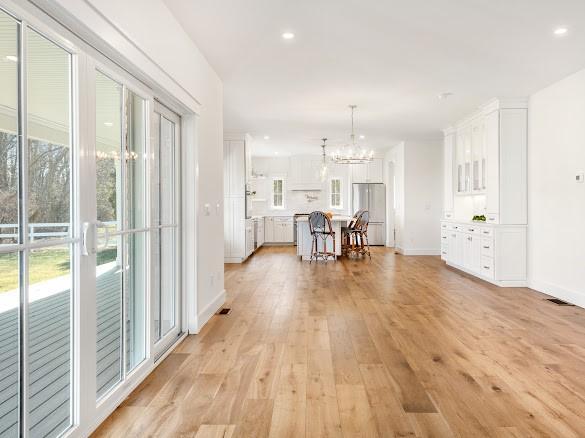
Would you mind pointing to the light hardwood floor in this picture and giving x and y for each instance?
(395, 346)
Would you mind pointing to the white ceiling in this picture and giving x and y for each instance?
(391, 58)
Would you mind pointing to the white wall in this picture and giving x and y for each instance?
(419, 176)
(556, 203)
(155, 47)
(396, 156)
(296, 201)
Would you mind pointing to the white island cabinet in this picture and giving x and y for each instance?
(305, 241)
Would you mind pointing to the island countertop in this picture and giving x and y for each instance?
(335, 218)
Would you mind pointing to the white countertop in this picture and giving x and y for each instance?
(335, 218)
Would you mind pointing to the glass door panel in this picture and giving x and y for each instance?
(135, 289)
(9, 230)
(166, 296)
(47, 267)
(109, 258)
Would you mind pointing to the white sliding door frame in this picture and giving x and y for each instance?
(85, 60)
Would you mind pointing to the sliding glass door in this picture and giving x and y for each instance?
(89, 232)
(166, 297)
(37, 239)
(122, 232)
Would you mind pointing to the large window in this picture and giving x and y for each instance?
(335, 193)
(278, 193)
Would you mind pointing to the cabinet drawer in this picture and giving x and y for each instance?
(487, 232)
(487, 247)
(448, 215)
(444, 226)
(444, 236)
(471, 229)
(487, 267)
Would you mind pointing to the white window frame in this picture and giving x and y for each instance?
(88, 412)
(331, 193)
(272, 193)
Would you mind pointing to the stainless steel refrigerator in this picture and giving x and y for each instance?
(372, 197)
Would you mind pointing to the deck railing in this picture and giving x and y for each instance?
(39, 230)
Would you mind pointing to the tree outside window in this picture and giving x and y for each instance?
(278, 193)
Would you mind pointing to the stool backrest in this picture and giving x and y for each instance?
(363, 221)
(319, 222)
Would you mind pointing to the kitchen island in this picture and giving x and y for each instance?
(304, 239)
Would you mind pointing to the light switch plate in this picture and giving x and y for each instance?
(580, 177)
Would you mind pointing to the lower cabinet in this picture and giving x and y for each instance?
(278, 229)
(496, 253)
(249, 237)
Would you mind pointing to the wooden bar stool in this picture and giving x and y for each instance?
(346, 233)
(359, 235)
(321, 230)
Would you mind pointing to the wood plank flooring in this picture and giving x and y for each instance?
(392, 347)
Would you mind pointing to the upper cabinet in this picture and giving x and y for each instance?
(234, 167)
(372, 172)
(488, 157)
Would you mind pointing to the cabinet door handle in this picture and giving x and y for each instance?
(486, 267)
(469, 238)
(486, 247)
(444, 237)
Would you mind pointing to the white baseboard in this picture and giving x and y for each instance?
(418, 252)
(233, 260)
(570, 296)
(209, 310)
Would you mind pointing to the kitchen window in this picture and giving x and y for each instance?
(335, 193)
(278, 193)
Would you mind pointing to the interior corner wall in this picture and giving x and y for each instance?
(154, 43)
(396, 156)
(556, 201)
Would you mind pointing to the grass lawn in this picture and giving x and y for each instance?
(44, 264)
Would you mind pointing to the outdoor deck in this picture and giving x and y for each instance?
(50, 358)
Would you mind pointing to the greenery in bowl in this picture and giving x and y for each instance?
(479, 218)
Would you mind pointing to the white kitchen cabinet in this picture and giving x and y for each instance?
(235, 228)
(448, 158)
(489, 157)
(495, 253)
(372, 172)
(249, 237)
(269, 229)
(509, 184)
(283, 230)
(260, 232)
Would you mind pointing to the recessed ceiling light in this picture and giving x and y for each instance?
(266, 137)
(108, 124)
(12, 58)
(560, 31)
(362, 137)
(445, 95)
(288, 35)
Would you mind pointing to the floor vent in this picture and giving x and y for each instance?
(559, 302)
(224, 311)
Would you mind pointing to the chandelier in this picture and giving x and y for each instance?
(324, 170)
(352, 153)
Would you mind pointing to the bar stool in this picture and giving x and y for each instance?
(346, 233)
(321, 230)
(360, 234)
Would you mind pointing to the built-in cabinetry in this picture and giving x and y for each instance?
(485, 174)
(238, 231)
(496, 253)
(278, 229)
(372, 172)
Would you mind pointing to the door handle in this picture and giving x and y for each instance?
(89, 243)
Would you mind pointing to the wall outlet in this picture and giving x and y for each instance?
(579, 177)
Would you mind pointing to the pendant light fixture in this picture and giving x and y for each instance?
(352, 153)
(324, 170)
